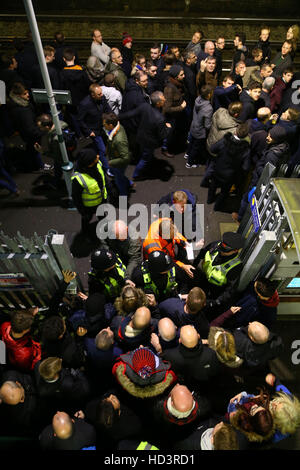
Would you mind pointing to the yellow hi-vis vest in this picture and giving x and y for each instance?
(144, 445)
(149, 284)
(111, 285)
(218, 274)
(92, 194)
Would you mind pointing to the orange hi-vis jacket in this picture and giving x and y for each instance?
(154, 242)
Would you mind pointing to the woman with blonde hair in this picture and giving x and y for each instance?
(285, 409)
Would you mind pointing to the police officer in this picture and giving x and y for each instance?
(89, 186)
(220, 269)
(107, 274)
(157, 276)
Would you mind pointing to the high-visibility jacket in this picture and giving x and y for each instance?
(144, 445)
(92, 195)
(149, 284)
(218, 274)
(110, 284)
(153, 242)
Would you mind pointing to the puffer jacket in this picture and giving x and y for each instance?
(22, 353)
(222, 122)
(202, 118)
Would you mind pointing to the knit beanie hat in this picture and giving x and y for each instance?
(232, 241)
(278, 134)
(126, 38)
(175, 70)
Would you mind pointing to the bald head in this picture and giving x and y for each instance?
(120, 230)
(209, 48)
(12, 393)
(182, 398)
(62, 425)
(167, 329)
(141, 318)
(189, 336)
(258, 333)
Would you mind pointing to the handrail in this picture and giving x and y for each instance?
(152, 18)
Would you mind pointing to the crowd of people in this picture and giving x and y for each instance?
(161, 352)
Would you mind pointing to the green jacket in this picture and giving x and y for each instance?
(117, 150)
(120, 77)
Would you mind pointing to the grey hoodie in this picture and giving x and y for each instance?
(202, 118)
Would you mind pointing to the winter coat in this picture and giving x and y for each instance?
(117, 150)
(174, 94)
(276, 154)
(74, 78)
(23, 118)
(250, 106)
(150, 122)
(256, 354)
(89, 114)
(222, 122)
(120, 77)
(84, 435)
(233, 156)
(22, 353)
(101, 360)
(266, 48)
(202, 118)
(199, 363)
(133, 96)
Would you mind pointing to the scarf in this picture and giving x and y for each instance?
(272, 301)
(176, 413)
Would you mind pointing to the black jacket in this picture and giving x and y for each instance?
(90, 113)
(23, 117)
(233, 156)
(276, 154)
(84, 435)
(250, 106)
(199, 363)
(134, 95)
(151, 125)
(256, 354)
(74, 78)
(37, 78)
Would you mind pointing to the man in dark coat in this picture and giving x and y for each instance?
(251, 102)
(256, 344)
(151, 131)
(66, 433)
(187, 312)
(18, 405)
(191, 359)
(179, 413)
(282, 60)
(24, 121)
(226, 94)
(37, 81)
(189, 69)
(232, 161)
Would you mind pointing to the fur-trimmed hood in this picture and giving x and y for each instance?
(18, 100)
(251, 436)
(212, 344)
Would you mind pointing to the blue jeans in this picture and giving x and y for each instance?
(102, 150)
(145, 160)
(6, 180)
(122, 182)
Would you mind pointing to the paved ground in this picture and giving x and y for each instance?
(39, 209)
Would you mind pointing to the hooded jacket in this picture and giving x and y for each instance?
(23, 353)
(222, 122)
(256, 354)
(233, 156)
(202, 118)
